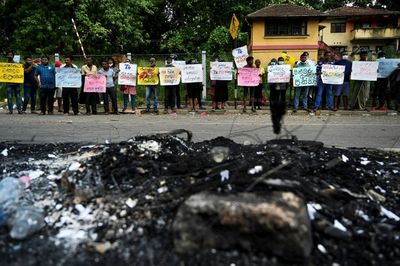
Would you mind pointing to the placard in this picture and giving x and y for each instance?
(127, 74)
(95, 83)
(68, 77)
(11, 73)
(192, 73)
(278, 74)
(305, 76)
(248, 77)
(148, 76)
(170, 76)
(332, 74)
(386, 67)
(221, 70)
(178, 64)
(364, 70)
(240, 55)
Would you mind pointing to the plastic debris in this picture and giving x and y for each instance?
(389, 214)
(219, 154)
(5, 152)
(339, 226)
(131, 203)
(224, 175)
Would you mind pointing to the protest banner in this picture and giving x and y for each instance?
(127, 74)
(364, 70)
(304, 76)
(332, 74)
(386, 67)
(178, 64)
(68, 77)
(278, 74)
(239, 55)
(221, 70)
(170, 76)
(95, 83)
(248, 77)
(148, 76)
(11, 73)
(192, 73)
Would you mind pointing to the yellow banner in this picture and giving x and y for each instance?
(147, 76)
(289, 59)
(11, 73)
(234, 27)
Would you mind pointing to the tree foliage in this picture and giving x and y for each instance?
(137, 26)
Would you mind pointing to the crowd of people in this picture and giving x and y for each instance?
(40, 79)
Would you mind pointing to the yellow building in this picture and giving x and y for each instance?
(285, 27)
(352, 28)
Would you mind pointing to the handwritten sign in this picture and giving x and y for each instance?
(221, 70)
(304, 76)
(68, 77)
(170, 76)
(278, 74)
(239, 55)
(248, 77)
(332, 74)
(386, 67)
(178, 64)
(95, 83)
(148, 76)
(127, 74)
(11, 73)
(192, 73)
(364, 70)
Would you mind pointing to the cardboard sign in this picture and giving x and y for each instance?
(95, 83)
(170, 76)
(68, 77)
(221, 70)
(148, 76)
(127, 74)
(248, 77)
(178, 64)
(278, 74)
(364, 70)
(240, 55)
(305, 76)
(332, 74)
(386, 67)
(11, 73)
(192, 73)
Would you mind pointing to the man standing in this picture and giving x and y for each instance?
(321, 86)
(110, 88)
(152, 89)
(13, 89)
(70, 93)
(381, 91)
(258, 91)
(247, 90)
(344, 89)
(91, 99)
(29, 84)
(301, 90)
(169, 92)
(46, 83)
(361, 89)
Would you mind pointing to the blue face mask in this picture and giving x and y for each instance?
(273, 63)
(280, 62)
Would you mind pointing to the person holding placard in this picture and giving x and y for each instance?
(129, 93)
(29, 84)
(323, 87)
(247, 90)
(381, 91)
(343, 90)
(395, 86)
(47, 84)
(91, 99)
(13, 89)
(70, 93)
(301, 90)
(361, 89)
(277, 90)
(152, 89)
(193, 90)
(258, 91)
(110, 88)
(169, 91)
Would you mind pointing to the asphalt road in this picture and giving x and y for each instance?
(334, 129)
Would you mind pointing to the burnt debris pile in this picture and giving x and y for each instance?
(162, 200)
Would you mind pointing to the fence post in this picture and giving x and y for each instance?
(56, 57)
(203, 62)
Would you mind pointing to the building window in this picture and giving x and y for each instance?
(338, 27)
(286, 27)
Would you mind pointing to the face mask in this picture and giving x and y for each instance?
(280, 62)
(345, 57)
(273, 63)
(382, 57)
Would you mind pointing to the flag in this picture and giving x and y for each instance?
(234, 27)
